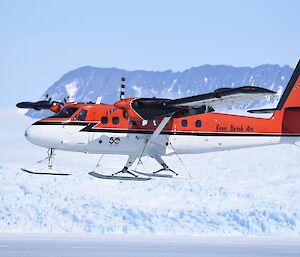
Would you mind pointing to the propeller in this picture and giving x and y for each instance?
(122, 89)
(46, 104)
(122, 97)
(39, 105)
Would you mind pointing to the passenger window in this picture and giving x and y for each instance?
(81, 115)
(133, 123)
(115, 120)
(198, 123)
(125, 114)
(154, 123)
(184, 123)
(104, 120)
(144, 123)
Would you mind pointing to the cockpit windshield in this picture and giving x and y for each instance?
(66, 112)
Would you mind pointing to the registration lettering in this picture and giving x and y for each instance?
(221, 128)
(234, 128)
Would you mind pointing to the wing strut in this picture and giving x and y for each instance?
(158, 130)
(151, 143)
(153, 147)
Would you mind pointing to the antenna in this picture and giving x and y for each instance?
(122, 91)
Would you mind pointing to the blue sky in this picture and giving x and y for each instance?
(42, 40)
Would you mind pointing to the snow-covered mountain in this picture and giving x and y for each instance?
(87, 83)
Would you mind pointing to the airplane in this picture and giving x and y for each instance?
(157, 127)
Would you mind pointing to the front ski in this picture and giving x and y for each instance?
(98, 175)
(46, 173)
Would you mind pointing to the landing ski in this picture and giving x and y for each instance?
(157, 175)
(98, 175)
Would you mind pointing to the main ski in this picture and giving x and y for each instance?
(98, 175)
(159, 175)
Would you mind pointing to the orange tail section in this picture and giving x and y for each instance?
(289, 104)
(291, 95)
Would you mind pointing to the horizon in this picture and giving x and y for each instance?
(173, 70)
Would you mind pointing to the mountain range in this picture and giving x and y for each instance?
(88, 83)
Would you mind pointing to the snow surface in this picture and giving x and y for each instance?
(49, 245)
(249, 192)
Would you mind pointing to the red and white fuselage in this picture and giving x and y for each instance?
(106, 132)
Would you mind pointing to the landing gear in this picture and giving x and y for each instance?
(165, 168)
(128, 164)
(134, 175)
(125, 170)
(50, 153)
(37, 168)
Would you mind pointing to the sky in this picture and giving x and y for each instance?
(42, 40)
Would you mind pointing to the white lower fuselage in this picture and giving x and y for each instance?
(70, 138)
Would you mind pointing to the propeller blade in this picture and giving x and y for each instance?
(25, 105)
(122, 89)
(40, 105)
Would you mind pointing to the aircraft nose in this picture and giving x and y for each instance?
(43, 136)
(28, 133)
(31, 134)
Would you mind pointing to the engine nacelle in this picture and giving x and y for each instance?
(56, 108)
(129, 113)
(146, 108)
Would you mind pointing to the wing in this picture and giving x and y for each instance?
(152, 108)
(222, 97)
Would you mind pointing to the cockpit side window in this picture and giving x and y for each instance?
(81, 115)
(104, 120)
(66, 112)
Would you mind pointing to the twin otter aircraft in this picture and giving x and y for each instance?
(157, 127)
